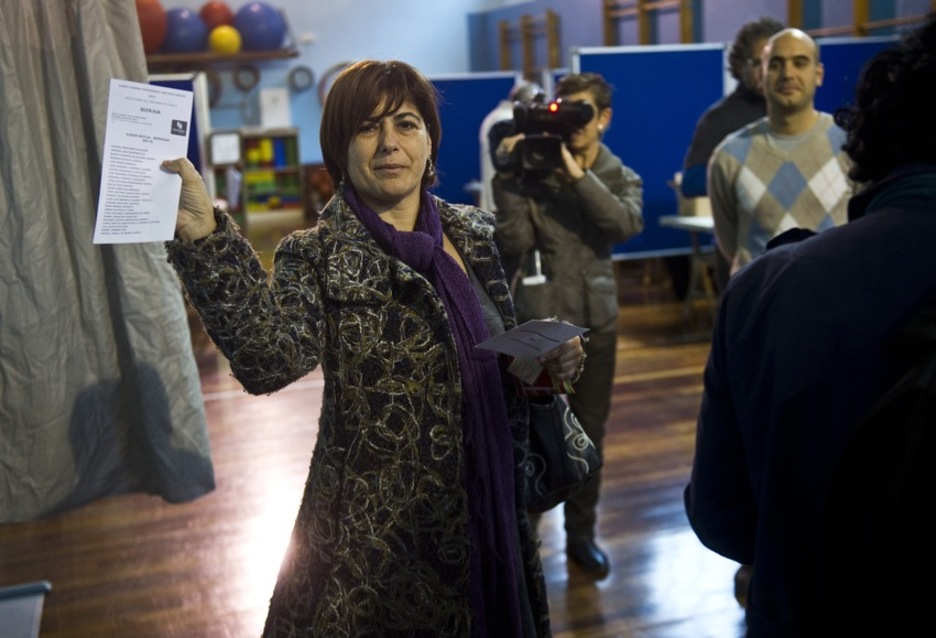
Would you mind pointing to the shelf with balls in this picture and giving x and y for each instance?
(177, 39)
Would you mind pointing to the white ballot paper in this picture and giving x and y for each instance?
(532, 339)
(146, 124)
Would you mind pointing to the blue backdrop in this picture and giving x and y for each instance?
(465, 101)
(843, 59)
(659, 94)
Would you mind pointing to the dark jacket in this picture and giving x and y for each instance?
(575, 227)
(380, 545)
(797, 360)
(737, 109)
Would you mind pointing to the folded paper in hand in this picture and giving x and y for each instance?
(525, 344)
(533, 339)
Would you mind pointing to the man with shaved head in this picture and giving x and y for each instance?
(786, 170)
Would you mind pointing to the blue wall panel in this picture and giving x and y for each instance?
(659, 94)
(465, 101)
(843, 59)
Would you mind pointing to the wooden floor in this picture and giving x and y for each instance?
(134, 566)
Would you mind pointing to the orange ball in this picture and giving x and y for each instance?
(224, 39)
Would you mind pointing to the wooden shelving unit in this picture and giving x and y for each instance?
(159, 62)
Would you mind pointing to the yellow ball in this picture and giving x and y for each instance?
(224, 39)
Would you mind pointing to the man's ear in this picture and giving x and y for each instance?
(604, 119)
(820, 73)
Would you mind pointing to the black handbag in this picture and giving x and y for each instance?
(561, 456)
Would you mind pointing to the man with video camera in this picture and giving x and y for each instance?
(563, 201)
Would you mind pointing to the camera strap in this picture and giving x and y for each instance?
(530, 272)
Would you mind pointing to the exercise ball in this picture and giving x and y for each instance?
(261, 26)
(153, 24)
(186, 32)
(224, 39)
(215, 13)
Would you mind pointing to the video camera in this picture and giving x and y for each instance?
(545, 127)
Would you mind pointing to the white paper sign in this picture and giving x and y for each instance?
(146, 124)
(274, 108)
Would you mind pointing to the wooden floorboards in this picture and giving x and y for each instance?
(135, 566)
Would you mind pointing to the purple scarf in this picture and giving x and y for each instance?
(489, 466)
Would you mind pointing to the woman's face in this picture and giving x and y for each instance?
(588, 136)
(387, 158)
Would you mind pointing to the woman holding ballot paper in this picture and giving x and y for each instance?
(413, 518)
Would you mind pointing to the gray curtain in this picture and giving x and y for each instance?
(99, 390)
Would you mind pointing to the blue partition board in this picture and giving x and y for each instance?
(659, 94)
(843, 60)
(464, 102)
(200, 128)
(185, 82)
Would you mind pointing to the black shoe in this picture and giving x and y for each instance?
(589, 557)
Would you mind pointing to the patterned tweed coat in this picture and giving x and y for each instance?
(380, 545)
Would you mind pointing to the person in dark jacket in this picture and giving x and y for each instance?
(413, 521)
(800, 354)
(562, 224)
(739, 108)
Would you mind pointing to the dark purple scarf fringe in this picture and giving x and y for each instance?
(489, 467)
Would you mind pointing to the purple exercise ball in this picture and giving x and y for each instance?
(185, 32)
(261, 26)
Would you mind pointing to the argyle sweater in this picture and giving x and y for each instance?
(762, 184)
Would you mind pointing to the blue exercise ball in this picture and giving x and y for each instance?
(261, 27)
(185, 32)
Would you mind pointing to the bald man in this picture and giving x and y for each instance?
(786, 170)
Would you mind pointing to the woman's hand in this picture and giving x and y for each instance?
(196, 212)
(565, 362)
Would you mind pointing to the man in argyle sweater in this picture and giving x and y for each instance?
(786, 170)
